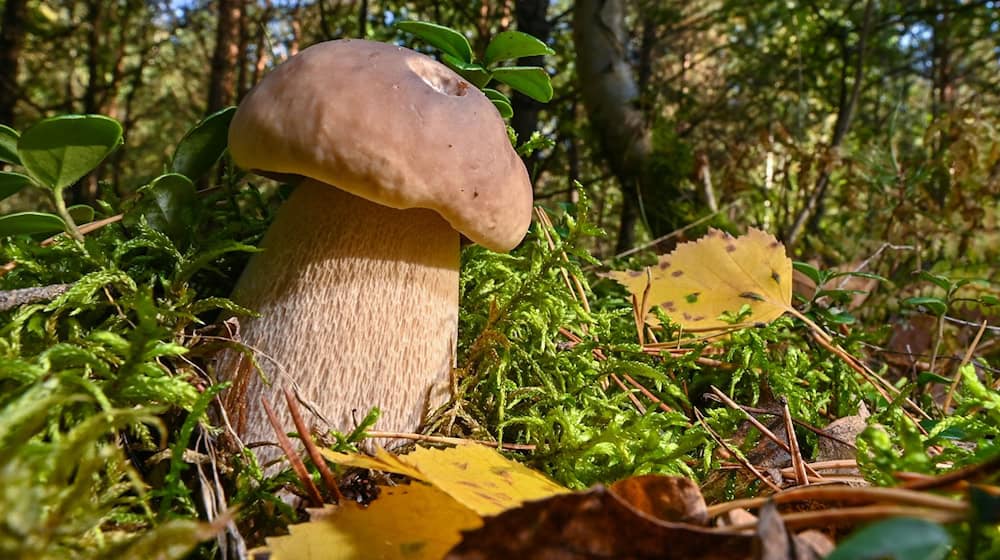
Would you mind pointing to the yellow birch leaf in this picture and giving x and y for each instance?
(408, 522)
(700, 280)
(476, 476)
(480, 478)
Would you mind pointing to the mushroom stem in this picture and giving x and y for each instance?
(358, 304)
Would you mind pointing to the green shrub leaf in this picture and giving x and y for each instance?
(440, 37)
(203, 145)
(81, 213)
(30, 223)
(169, 205)
(8, 145)
(936, 306)
(11, 183)
(514, 44)
(471, 71)
(901, 538)
(58, 151)
(501, 102)
(529, 80)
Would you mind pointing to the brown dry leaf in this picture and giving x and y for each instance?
(669, 498)
(699, 281)
(412, 522)
(601, 523)
(476, 476)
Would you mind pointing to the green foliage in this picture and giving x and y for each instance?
(203, 145)
(69, 492)
(58, 151)
(457, 53)
(521, 381)
(901, 538)
(95, 383)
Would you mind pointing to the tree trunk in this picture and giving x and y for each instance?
(531, 19)
(813, 209)
(611, 97)
(222, 79)
(11, 42)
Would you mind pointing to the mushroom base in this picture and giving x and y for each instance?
(358, 308)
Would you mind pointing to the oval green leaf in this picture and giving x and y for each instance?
(900, 538)
(169, 205)
(936, 306)
(471, 71)
(443, 38)
(11, 183)
(81, 213)
(529, 80)
(8, 145)
(505, 109)
(501, 102)
(58, 151)
(203, 145)
(30, 223)
(514, 44)
(810, 271)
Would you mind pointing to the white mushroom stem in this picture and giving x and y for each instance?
(358, 308)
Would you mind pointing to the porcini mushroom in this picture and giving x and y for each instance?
(357, 286)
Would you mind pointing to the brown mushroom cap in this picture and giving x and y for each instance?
(393, 126)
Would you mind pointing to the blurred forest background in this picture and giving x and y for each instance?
(841, 126)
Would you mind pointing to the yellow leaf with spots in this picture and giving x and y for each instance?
(480, 478)
(407, 522)
(475, 476)
(701, 280)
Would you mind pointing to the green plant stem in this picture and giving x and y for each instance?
(71, 229)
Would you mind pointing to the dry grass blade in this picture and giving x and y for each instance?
(293, 458)
(793, 445)
(958, 371)
(324, 471)
(450, 440)
(843, 517)
(838, 493)
(746, 465)
(757, 424)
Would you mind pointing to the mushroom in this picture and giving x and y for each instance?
(357, 285)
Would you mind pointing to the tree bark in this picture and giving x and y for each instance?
(611, 97)
(532, 18)
(11, 43)
(221, 82)
(845, 114)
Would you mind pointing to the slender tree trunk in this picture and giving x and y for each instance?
(12, 28)
(221, 82)
(611, 95)
(848, 105)
(95, 80)
(531, 19)
(362, 19)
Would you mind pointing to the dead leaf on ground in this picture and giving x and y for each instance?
(413, 522)
(476, 476)
(700, 281)
(594, 524)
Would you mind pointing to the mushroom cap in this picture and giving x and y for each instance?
(393, 126)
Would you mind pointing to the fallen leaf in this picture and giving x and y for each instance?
(595, 524)
(701, 280)
(480, 478)
(413, 522)
(476, 476)
(668, 498)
